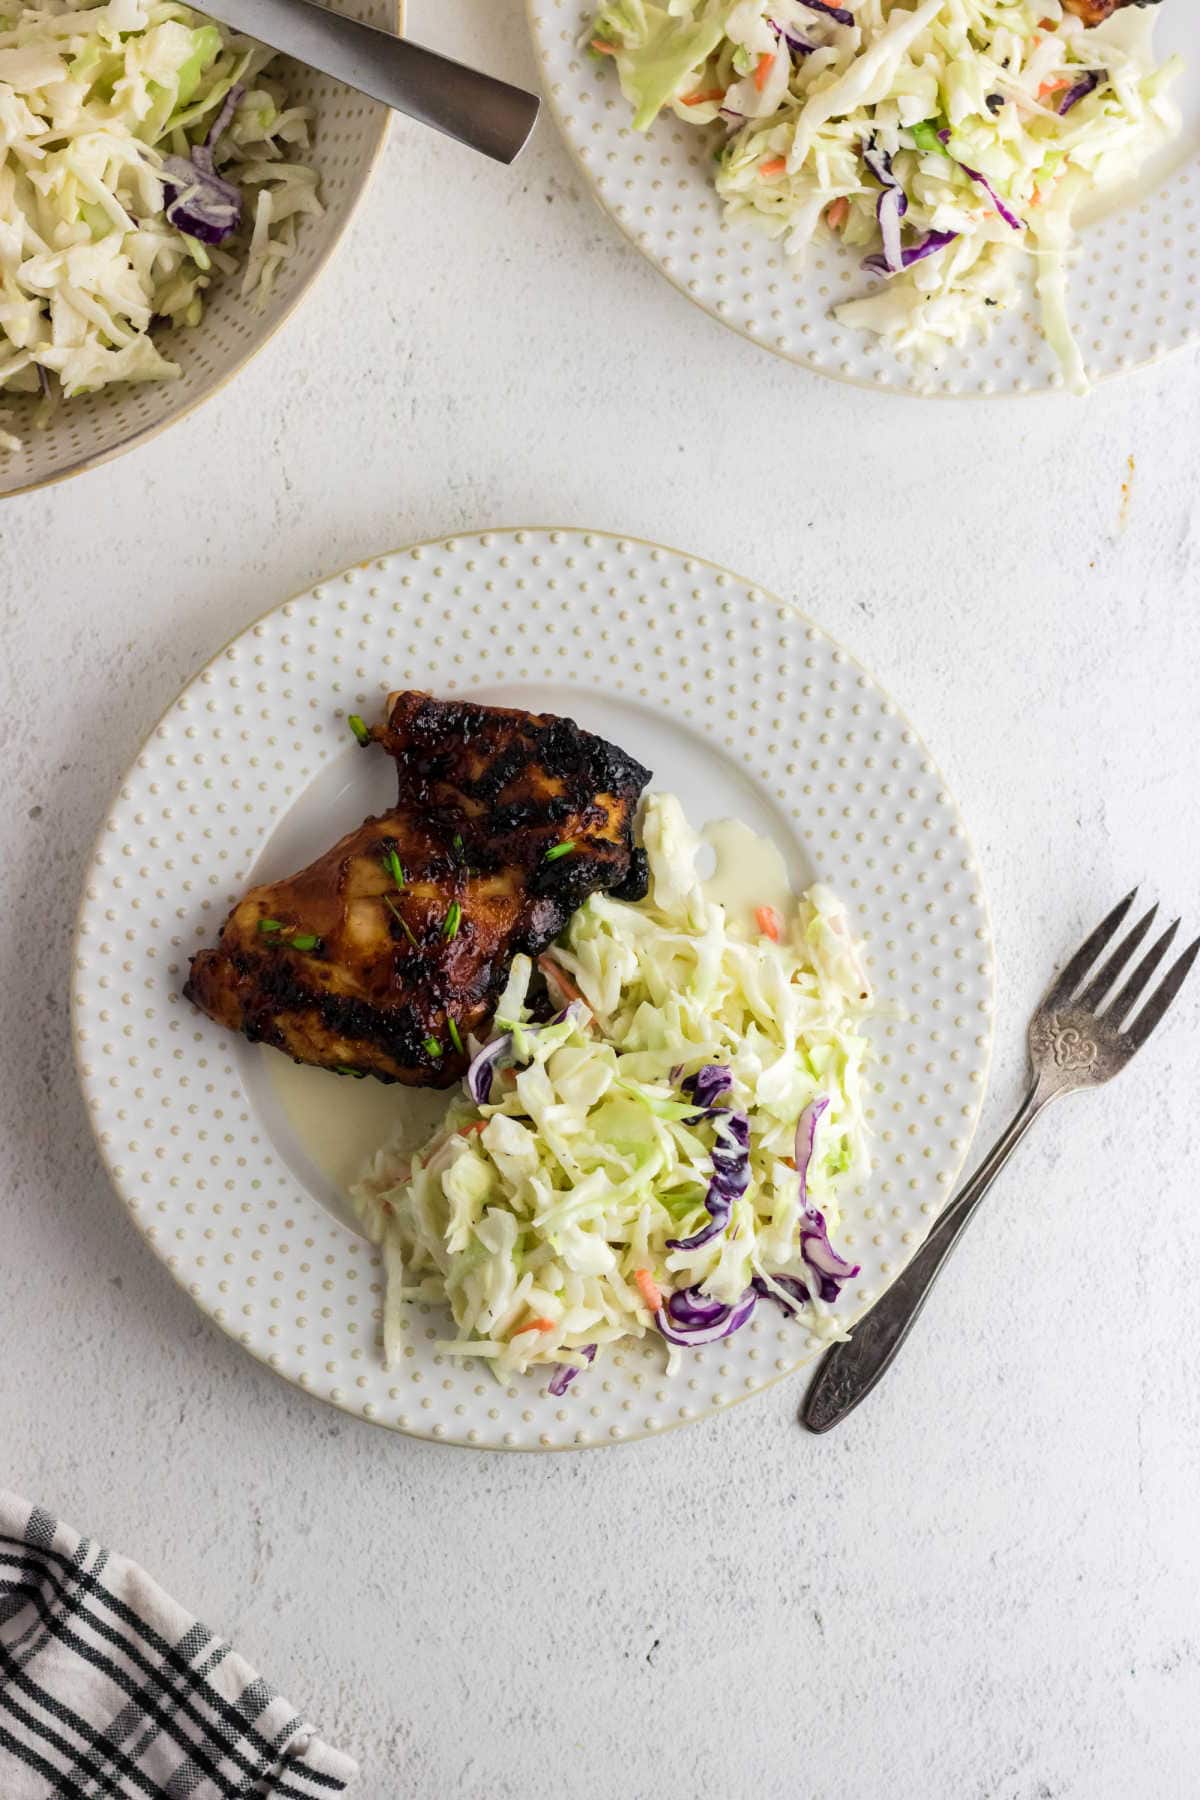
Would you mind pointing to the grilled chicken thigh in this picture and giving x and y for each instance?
(1094, 12)
(382, 955)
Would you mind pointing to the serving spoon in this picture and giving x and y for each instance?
(478, 110)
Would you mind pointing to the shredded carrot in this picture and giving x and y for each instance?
(536, 1325)
(1054, 87)
(837, 212)
(774, 166)
(558, 977)
(603, 48)
(766, 63)
(702, 98)
(470, 1130)
(649, 1289)
(769, 923)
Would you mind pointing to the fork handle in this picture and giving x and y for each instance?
(850, 1370)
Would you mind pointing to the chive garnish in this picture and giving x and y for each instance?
(456, 842)
(359, 728)
(305, 940)
(432, 1046)
(401, 921)
(453, 920)
(455, 1037)
(269, 925)
(345, 1069)
(394, 866)
(560, 850)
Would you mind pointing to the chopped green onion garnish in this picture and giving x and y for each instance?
(400, 919)
(394, 866)
(560, 850)
(455, 1036)
(306, 940)
(457, 842)
(269, 925)
(453, 920)
(356, 1074)
(925, 137)
(359, 728)
(432, 1046)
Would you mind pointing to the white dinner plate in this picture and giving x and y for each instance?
(1134, 293)
(738, 703)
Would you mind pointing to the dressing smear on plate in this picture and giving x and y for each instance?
(657, 1148)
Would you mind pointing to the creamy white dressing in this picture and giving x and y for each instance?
(338, 1123)
(750, 872)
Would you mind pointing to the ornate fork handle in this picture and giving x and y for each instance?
(1078, 1038)
(850, 1370)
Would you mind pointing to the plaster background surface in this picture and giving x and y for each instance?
(984, 1586)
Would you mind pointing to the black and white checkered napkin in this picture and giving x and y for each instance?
(108, 1687)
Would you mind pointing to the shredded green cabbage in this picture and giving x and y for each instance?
(953, 95)
(590, 1158)
(91, 100)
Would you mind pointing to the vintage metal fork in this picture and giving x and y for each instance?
(1078, 1038)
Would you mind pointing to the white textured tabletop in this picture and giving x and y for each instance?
(984, 1585)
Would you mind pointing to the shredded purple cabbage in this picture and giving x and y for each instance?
(707, 1084)
(1009, 217)
(1086, 85)
(690, 1317)
(815, 1247)
(482, 1071)
(890, 207)
(930, 244)
(480, 1075)
(730, 1177)
(791, 1284)
(200, 201)
(831, 1268)
(806, 1141)
(840, 13)
(792, 38)
(565, 1373)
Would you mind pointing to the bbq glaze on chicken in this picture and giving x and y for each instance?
(1094, 12)
(382, 955)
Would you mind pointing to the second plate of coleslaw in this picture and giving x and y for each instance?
(942, 197)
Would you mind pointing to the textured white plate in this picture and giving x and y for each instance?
(736, 701)
(1135, 294)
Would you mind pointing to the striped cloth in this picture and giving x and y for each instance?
(108, 1687)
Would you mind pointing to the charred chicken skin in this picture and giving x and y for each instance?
(382, 955)
(1094, 12)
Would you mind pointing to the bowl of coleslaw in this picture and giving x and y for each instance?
(168, 193)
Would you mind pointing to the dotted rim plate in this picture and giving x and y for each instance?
(1135, 292)
(733, 692)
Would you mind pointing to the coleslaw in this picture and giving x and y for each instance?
(949, 140)
(145, 151)
(661, 1154)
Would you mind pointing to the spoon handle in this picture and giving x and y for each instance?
(478, 110)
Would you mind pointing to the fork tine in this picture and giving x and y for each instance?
(1062, 989)
(1139, 981)
(1162, 996)
(1106, 979)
